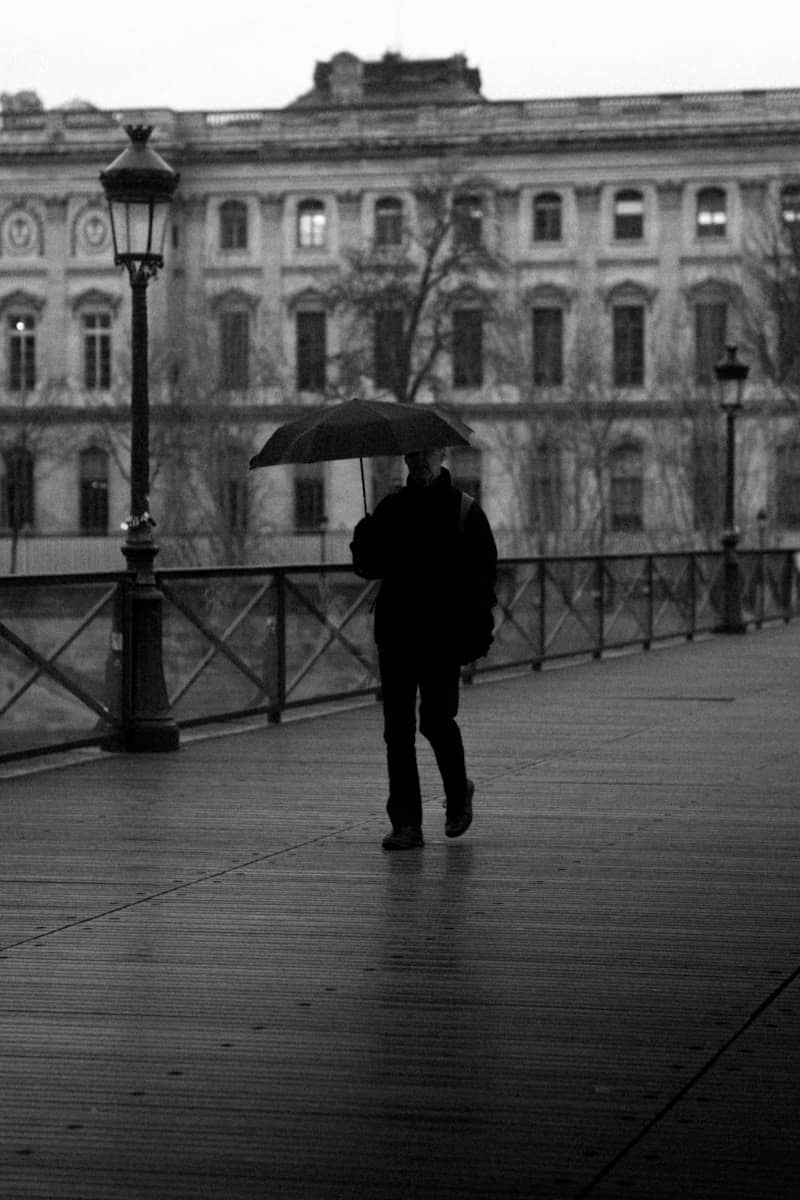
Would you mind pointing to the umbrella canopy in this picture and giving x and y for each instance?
(361, 429)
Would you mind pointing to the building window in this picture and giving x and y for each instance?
(94, 491)
(96, 351)
(21, 352)
(468, 222)
(628, 216)
(312, 225)
(388, 221)
(787, 489)
(707, 476)
(787, 303)
(467, 347)
(626, 488)
(545, 490)
(17, 498)
(547, 217)
(234, 349)
(790, 207)
(311, 351)
(233, 225)
(388, 349)
(309, 496)
(712, 213)
(628, 347)
(548, 347)
(231, 487)
(710, 328)
(465, 470)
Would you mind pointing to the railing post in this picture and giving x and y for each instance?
(600, 604)
(277, 708)
(650, 613)
(537, 663)
(692, 596)
(788, 580)
(117, 670)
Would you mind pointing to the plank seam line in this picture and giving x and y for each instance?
(180, 887)
(588, 1188)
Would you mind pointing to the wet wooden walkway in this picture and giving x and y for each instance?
(213, 983)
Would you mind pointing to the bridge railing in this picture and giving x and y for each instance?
(243, 641)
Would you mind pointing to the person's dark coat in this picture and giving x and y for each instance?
(437, 567)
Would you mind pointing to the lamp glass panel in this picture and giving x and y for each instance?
(159, 228)
(139, 229)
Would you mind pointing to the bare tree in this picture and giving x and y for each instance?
(29, 448)
(771, 310)
(202, 434)
(396, 296)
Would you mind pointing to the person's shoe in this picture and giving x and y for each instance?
(459, 822)
(406, 838)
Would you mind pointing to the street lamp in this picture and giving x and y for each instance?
(139, 187)
(731, 375)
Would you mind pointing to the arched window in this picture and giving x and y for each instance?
(234, 348)
(627, 487)
(545, 488)
(309, 496)
(628, 344)
(465, 469)
(311, 349)
(21, 343)
(548, 345)
(787, 485)
(96, 350)
(468, 221)
(312, 224)
(387, 354)
(233, 225)
(17, 497)
(712, 212)
(467, 347)
(628, 215)
(94, 491)
(547, 217)
(231, 486)
(710, 335)
(388, 221)
(790, 208)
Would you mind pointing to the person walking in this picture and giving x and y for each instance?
(433, 550)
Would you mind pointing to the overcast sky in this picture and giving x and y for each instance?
(187, 54)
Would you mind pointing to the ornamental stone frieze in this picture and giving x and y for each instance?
(90, 232)
(21, 231)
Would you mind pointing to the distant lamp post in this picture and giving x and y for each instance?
(731, 375)
(762, 518)
(139, 186)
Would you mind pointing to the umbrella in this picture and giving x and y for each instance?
(361, 429)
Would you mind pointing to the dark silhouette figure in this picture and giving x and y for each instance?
(434, 553)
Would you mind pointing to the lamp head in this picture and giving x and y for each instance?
(731, 375)
(139, 186)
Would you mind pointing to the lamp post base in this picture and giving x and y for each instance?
(732, 617)
(148, 723)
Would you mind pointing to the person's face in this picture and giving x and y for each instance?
(424, 466)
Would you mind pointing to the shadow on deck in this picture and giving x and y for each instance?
(214, 984)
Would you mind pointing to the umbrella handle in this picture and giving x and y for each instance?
(363, 486)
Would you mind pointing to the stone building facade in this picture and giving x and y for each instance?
(632, 231)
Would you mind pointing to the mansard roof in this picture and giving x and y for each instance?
(393, 79)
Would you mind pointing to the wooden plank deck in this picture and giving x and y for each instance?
(214, 984)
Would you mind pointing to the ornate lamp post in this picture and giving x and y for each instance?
(731, 375)
(139, 187)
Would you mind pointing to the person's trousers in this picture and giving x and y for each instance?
(406, 672)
